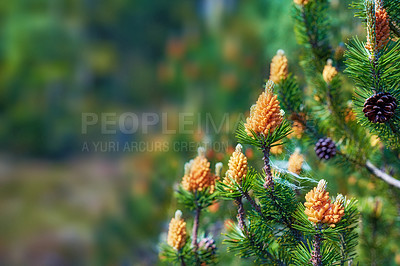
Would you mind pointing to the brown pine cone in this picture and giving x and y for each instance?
(325, 148)
(380, 107)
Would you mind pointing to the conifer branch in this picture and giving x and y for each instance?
(196, 228)
(286, 233)
(255, 206)
(350, 159)
(311, 30)
(270, 186)
(373, 170)
(269, 182)
(263, 251)
(288, 222)
(182, 261)
(316, 258)
(311, 40)
(382, 175)
(241, 214)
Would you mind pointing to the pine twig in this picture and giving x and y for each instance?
(196, 228)
(241, 214)
(270, 186)
(374, 170)
(382, 175)
(242, 226)
(269, 182)
(256, 207)
(182, 261)
(311, 40)
(263, 251)
(312, 35)
(316, 258)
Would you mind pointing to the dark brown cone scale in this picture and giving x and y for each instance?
(380, 107)
(325, 148)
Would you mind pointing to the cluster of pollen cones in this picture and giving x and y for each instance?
(319, 208)
(279, 67)
(329, 71)
(265, 115)
(295, 162)
(382, 31)
(198, 175)
(237, 167)
(177, 231)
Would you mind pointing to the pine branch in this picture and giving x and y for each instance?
(382, 175)
(196, 228)
(316, 258)
(311, 31)
(241, 214)
(288, 223)
(270, 186)
(393, 9)
(262, 251)
(373, 170)
(290, 95)
(234, 191)
(184, 256)
(375, 70)
(311, 40)
(182, 261)
(255, 206)
(269, 182)
(279, 204)
(253, 243)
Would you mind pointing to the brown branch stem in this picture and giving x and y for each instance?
(255, 206)
(196, 228)
(269, 182)
(382, 175)
(241, 214)
(374, 170)
(270, 186)
(316, 258)
(182, 261)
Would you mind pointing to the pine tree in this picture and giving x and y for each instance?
(279, 228)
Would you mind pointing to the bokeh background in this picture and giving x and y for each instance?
(61, 204)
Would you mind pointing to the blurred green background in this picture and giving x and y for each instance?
(63, 205)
